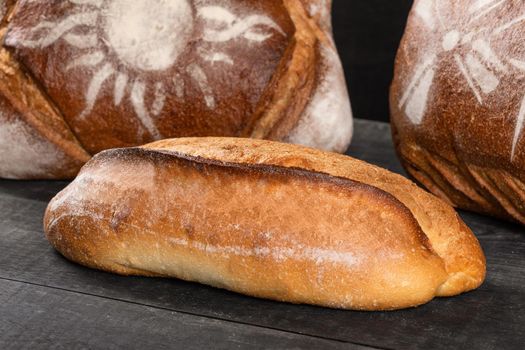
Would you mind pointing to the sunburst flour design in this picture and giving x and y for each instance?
(145, 36)
(465, 42)
(458, 102)
(118, 73)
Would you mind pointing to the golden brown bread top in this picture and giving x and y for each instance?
(265, 219)
(449, 236)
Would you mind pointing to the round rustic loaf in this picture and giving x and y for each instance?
(81, 76)
(458, 103)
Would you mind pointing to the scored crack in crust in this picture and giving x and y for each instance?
(288, 110)
(296, 76)
(439, 222)
(295, 92)
(266, 219)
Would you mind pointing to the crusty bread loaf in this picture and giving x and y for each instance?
(458, 103)
(266, 219)
(78, 77)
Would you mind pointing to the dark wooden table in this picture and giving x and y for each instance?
(48, 302)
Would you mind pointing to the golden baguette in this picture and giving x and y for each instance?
(266, 219)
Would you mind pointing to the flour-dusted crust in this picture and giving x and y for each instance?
(458, 103)
(35, 142)
(3, 8)
(266, 219)
(22, 148)
(123, 73)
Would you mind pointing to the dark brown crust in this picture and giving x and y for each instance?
(193, 119)
(265, 94)
(450, 181)
(294, 81)
(462, 149)
(297, 76)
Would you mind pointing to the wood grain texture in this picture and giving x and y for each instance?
(41, 318)
(489, 318)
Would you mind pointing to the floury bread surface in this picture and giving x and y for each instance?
(81, 76)
(266, 219)
(458, 103)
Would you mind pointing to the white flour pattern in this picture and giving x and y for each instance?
(481, 67)
(147, 36)
(2, 8)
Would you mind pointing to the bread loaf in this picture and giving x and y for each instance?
(266, 219)
(458, 103)
(81, 76)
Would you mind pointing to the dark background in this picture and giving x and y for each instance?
(367, 33)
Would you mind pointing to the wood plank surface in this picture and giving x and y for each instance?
(43, 318)
(492, 317)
